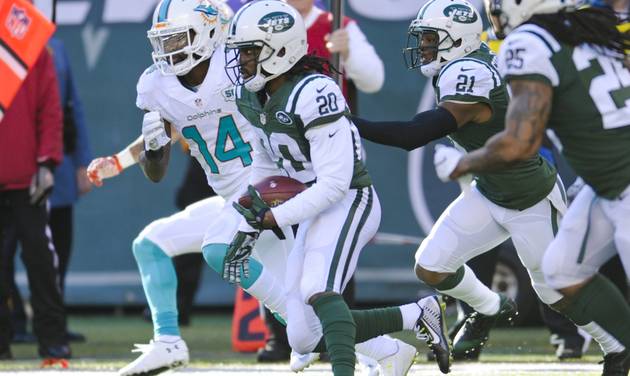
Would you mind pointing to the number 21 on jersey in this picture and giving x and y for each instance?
(227, 130)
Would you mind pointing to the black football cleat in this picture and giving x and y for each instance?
(273, 352)
(55, 351)
(616, 364)
(474, 334)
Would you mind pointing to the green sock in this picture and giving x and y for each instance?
(339, 332)
(372, 323)
(600, 301)
(451, 281)
(375, 322)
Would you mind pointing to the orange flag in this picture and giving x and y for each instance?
(24, 32)
(249, 331)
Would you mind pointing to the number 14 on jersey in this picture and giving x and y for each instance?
(227, 130)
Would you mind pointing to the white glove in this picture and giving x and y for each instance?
(103, 168)
(41, 185)
(153, 131)
(445, 160)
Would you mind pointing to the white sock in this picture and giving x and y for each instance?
(607, 342)
(377, 348)
(477, 295)
(410, 313)
(167, 338)
(268, 290)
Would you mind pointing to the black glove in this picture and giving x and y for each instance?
(41, 184)
(255, 215)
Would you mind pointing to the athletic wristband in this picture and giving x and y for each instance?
(124, 159)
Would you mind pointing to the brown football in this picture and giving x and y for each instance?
(275, 190)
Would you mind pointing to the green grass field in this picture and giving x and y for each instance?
(110, 339)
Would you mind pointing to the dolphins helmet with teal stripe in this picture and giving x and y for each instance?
(275, 31)
(505, 15)
(186, 32)
(443, 30)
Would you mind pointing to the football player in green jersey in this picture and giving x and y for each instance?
(444, 44)
(304, 131)
(524, 202)
(568, 71)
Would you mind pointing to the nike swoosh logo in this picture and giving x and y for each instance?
(322, 89)
(332, 134)
(440, 162)
(466, 69)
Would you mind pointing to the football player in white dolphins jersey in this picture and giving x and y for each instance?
(303, 130)
(187, 93)
(568, 71)
(190, 94)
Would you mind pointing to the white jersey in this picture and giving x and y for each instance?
(207, 117)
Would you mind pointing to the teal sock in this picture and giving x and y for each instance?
(214, 254)
(602, 302)
(339, 332)
(159, 282)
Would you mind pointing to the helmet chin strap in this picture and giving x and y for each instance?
(257, 83)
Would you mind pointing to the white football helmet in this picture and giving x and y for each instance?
(186, 32)
(442, 31)
(274, 28)
(506, 15)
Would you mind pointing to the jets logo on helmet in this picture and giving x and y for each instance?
(265, 40)
(460, 13)
(443, 30)
(276, 22)
(186, 32)
(505, 15)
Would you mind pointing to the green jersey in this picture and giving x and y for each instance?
(475, 79)
(590, 112)
(283, 120)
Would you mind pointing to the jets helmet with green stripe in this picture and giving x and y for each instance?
(274, 32)
(443, 30)
(186, 32)
(505, 15)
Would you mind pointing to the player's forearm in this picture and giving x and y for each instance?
(333, 163)
(130, 155)
(499, 153)
(425, 127)
(363, 66)
(155, 162)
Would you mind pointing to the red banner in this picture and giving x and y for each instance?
(24, 32)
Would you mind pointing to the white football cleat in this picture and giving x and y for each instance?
(157, 357)
(367, 366)
(399, 363)
(299, 362)
(431, 327)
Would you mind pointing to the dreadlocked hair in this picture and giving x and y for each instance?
(312, 64)
(597, 26)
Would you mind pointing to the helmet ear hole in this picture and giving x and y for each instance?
(212, 33)
(457, 43)
(281, 52)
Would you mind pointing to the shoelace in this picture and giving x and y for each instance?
(142, 347)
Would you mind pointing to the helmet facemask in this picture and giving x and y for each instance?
(498, 18)
(176, 50)
(424, 49)
(244, 64)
